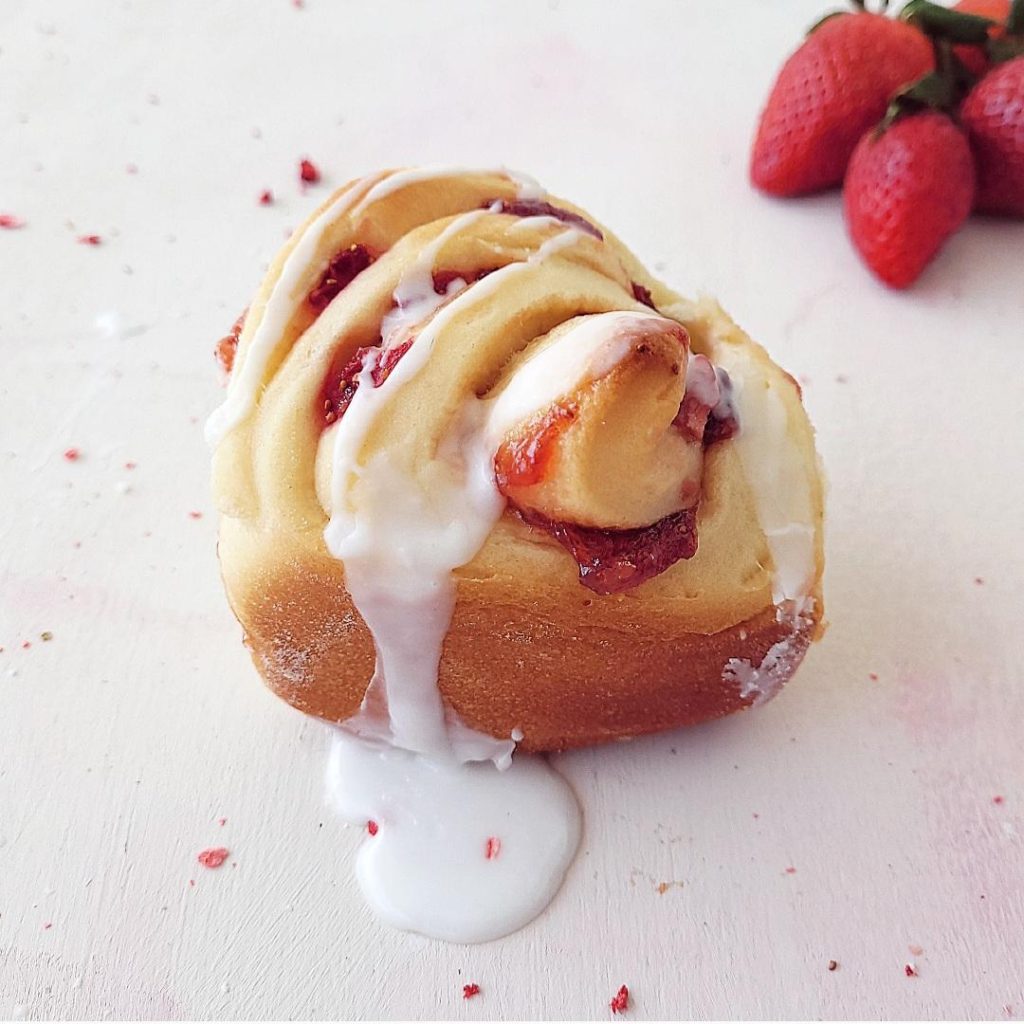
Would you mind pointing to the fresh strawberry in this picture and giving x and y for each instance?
(907, 189)
(974, 57)
(829, 92)
(993, 117)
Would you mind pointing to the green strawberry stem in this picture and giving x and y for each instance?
(1015, 22)
(941, 89)
(944, 23)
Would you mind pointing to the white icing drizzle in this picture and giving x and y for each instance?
(283, 300)
(282, 303)
(527, 187)
(428, 786)
(463, 852)
(415, 297)
(596, 345)
(401, 544)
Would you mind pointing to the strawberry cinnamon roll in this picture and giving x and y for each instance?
(483, 480)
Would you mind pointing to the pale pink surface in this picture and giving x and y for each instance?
(127, 736)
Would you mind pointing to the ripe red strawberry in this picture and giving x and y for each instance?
(993, 117)
(974, 57)
(906, 191)
(829, 92)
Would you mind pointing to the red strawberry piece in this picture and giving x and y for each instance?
(974, 57)
(993, 117)
(308, 171)
(906, 191)
(829, 92)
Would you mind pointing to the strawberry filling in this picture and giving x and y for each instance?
(225, 349)
(343, 269)
(612, 561)
(342, 385)
(538, 208)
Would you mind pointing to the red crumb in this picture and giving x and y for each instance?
(10, 222)
(222, 822)
(833, 964)
(72, 454)
(130, 465)
(790, 871)
(131, 169)
(47, 926)
(756, 815)
(873, 676)
(493, 847)
(89, 240)
(308, 171)
(195, 515)
(620, 1001)
(910, 970)
(470, 990)
(998, 799)
(266, 197)
(372, 827)
(26, 644)
(192, 882)
(213, 857)
(979, 581)
(298, 4)
(915, 950)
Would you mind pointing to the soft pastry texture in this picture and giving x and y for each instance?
(498, 319)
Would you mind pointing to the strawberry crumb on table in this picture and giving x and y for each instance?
(620, 1001)
(213, 857)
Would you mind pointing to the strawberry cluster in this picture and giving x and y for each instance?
(919, 117)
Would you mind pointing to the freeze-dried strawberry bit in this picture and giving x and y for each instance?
(526, 460)
(790, 871)
(342, 270)
(225, 349)
(213, 857)
(620, 1001)
(492, 847)
(89, 240)
(308, 171)
(539, 208)
(72, 454)
(266, 197)
(910, 970)
(10, 223)
(642, 294)
(195, 514)
(998, 799)
(372, 827)
(470, 990)
(222, 822)
(611, 561)
(833, 964)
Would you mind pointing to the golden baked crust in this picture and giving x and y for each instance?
(529, 648)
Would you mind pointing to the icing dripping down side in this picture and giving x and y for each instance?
(461, 852)
(777, 476)
(400, 543)
(762, 682)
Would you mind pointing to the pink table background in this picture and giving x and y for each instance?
(875, 807)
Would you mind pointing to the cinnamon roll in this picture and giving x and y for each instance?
(480, 475)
